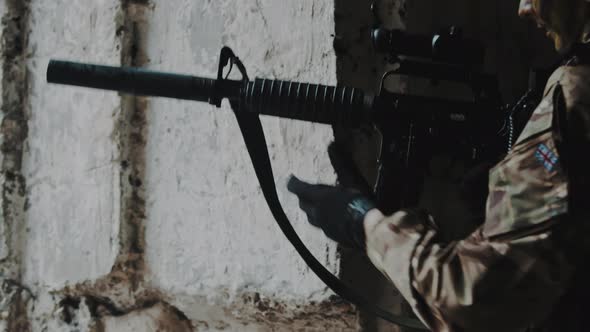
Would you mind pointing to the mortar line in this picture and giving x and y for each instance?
(131, 141)
(13, 129)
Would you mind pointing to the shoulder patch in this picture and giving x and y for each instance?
(546, 157)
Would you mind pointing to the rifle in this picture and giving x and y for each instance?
(414, 127)
(421, 125)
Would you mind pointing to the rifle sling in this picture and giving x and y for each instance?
(255, 141)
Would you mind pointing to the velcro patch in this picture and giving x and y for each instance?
(546, 157)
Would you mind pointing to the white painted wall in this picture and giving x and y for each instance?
(213, 251)
(209, 228)
(70, 162)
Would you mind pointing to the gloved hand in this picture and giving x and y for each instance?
(338, 211)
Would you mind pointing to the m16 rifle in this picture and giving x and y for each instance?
(421, 125)
(413, 127)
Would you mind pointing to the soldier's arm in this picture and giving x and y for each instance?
(467, 285)
(517, 275)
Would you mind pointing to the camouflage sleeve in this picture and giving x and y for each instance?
(518, 274)
(466, 285)
(390, 245)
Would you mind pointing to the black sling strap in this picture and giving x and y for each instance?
(254, 139)
(253, 135)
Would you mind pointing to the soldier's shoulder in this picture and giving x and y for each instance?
(575, 84)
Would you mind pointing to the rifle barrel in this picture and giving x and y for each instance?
(293, 100)
(134, 81)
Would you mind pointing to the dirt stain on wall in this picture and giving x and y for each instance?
(13, 129)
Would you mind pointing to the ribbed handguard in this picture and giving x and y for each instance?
(304, 101)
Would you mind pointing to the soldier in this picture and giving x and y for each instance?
(523, 269)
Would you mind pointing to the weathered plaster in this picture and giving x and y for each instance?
(132, 138)
(71, 161)
(208, 225)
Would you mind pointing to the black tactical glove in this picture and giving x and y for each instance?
(338, 211)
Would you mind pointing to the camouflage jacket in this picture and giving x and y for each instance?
(522, 269)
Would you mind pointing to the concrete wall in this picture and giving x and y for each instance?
(210, 237)
(124, 213)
